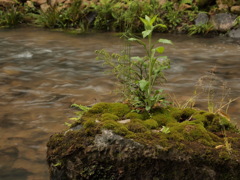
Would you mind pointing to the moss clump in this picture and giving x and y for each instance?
(117, 109)
(164, 119)
(109, 116)
(191, 131)
(136, 126)
(186, 125)
(134, 115)
(151, 124)
(89, 123)
(224, 155)
(116, 127)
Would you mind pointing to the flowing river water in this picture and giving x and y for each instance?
(43, 73)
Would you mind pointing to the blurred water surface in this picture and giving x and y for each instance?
(44, 72)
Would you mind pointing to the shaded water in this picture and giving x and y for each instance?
(43, 73)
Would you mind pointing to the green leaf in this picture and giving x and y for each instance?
(147, 18)
(137, 58)
(160, 49)
(146, 33)
(143, 84)
(68, 124)
(137, 40)
(165, 41)
(165, 130)
(161, 25)
(145, 22)
(133, 39)
(153, 20)
(148, 108)
(81, 107)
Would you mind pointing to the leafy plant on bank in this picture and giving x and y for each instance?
(11, 17)
(104, 11)
(140, 75)
(200, 29)
(71, 17)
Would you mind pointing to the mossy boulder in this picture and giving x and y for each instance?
(111, 142)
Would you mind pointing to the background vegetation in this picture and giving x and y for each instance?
(114, 15)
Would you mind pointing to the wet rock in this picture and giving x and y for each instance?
(100, 147)
(106, 155)
(235, 33)
(202, 18)
(223, 21)
(226, 3)
(235, 9)
(44, 7)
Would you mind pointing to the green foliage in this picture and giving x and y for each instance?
(81, 107)
(71, 17)
(200, 29)
(11, 17)
(165, 130)
(140, 75)
(173, 18)
(104, 14)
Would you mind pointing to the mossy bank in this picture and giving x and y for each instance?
(186, 16)
(111, 141)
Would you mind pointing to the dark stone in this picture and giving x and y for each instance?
(105, 155)
(202, 18)
(223, 21)
(235, 33)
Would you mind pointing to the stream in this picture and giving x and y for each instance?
(44, 72)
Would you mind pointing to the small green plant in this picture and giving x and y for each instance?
(65, 18)
(140, 75)
(237, 21)
(165, 130)
(104, 14)
(200, 29)
(79, 114)
(11, 17)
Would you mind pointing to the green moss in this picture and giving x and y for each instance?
(136, 126)
(164, 119)
(191, 131)
(89, 123)
(151, 124)
(117, 109)
(224, 155)
(134, 115)
(108, 116)
(116, 127)
(183, 114)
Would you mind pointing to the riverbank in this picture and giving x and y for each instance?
(191, 17)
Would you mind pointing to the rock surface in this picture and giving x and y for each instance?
(110, 156)
(100, 146)
(202, 18)
(223, 21)
(235, 33)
